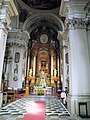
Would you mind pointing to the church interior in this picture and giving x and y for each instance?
(45, 56)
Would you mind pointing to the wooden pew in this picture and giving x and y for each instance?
(4, 97)
(9, 96)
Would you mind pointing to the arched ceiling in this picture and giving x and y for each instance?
(43, 19)
(38, 18)
(48, 24)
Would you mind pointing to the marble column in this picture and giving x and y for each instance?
(79, 62)
(51, 64)
(60, 38)
(79, 74)
(65, 51)
(58, 70)
(28, 62)
(58, 66)
(18, 41)
(88, 38)
(3, 38)
(34, 65)
(7, 9)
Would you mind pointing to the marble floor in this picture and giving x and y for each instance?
(55, 110)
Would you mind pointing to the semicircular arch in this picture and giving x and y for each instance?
(33, 21)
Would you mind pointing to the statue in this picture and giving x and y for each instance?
(42, 73)
(43, 79)
(30, 72)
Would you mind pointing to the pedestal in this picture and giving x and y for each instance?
(79, 105)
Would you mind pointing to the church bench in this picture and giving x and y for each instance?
(9, 96)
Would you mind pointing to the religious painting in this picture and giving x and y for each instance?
(17, 57)
(43, 63)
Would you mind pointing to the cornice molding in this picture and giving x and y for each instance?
(73, 8)
(7, 10)
(18, 38)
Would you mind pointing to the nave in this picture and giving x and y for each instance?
(55, 110)
(45, 49)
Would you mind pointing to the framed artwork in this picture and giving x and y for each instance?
(17, 57)
(44, 38)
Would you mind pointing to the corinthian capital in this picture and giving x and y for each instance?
(78, 23)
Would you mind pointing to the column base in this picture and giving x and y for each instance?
(79, 105)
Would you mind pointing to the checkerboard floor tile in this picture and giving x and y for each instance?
(16, 110)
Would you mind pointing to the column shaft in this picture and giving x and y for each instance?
(79, 74)
(3, 37)
(34, 66)
(51, 65)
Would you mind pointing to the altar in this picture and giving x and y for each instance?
(42, 91)
(43, 75)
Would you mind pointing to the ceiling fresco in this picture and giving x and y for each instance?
(43, 4)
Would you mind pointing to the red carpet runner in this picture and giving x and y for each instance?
(36, 112)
